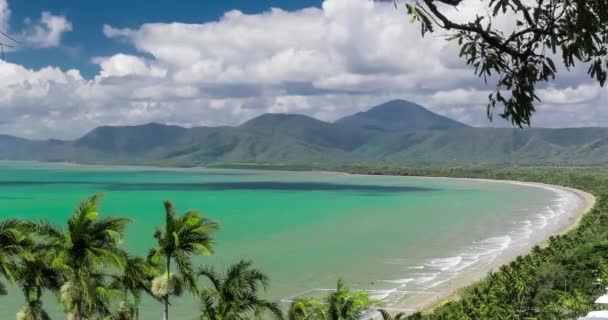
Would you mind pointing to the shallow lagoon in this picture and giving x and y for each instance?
(394, 235)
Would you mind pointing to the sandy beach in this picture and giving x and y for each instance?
(427, 301)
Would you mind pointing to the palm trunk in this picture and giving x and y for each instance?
(166, 300)
(166, 308)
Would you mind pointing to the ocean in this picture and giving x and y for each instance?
(398, 237)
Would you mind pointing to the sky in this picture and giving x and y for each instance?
(82, 64)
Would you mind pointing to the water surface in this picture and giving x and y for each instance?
(393, 235)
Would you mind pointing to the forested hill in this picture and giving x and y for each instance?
(397, 132)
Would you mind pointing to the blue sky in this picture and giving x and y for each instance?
(88, 18)
(84, 64)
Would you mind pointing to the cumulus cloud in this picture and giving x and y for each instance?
(325, 62)
(122, 65)
(46, 32)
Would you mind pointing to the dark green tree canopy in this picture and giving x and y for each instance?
(522, 57)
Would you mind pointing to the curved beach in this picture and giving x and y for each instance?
(577, 202)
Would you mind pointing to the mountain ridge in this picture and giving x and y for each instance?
(396, 115)
(397, 132)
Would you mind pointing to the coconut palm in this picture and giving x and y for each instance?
(84, 298)
(306, 309)
(183, 236)
(33, 275)
(13, 240)
(87, 249)
(344, 304)
(387, 316)
(234, 295)
(165, 286)
(136, 277)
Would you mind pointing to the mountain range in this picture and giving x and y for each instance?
(397, 132)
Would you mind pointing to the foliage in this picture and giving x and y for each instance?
(136, 277)
(85, 251)
(341, 304)
(557, 280)
(34, 274)
(522, 55)
(234, 295)
(182, 236)
(306, 309)
(13, 240)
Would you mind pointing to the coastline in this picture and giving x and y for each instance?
(452, 289)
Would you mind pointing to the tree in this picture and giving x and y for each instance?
(342, 304)
(181, 237)
(13, 241)
(235, 294)
(306, 309)
(522, 56)
(136, 277)
(387, 316)
(34, 274)
(86, 250)
(89, 297)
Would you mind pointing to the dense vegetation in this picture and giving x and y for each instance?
(397, 132)
(558, 281)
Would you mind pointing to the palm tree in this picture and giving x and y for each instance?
(136, 277)
(166, 285)
(344, 304)
(306, 309)
(13, 240)
(84, 298)
(181, 237)
(85, 251)
(234, 295)
(34, 274)
(388, 316)
(341, 304)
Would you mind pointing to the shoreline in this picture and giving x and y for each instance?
(452, 289)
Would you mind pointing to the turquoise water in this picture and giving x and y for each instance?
(305, 230)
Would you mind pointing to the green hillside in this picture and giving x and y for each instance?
(397, 132)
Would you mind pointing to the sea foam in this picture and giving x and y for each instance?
(483, 253)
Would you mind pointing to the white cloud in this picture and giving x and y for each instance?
(46, 32)
(5, 14)
(122, 65)
(325, 62)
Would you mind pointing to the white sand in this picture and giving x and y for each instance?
(450, 290)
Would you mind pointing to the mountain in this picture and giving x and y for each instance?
(305, 128)
(399, 115)
(131, 139)
(397, 132)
